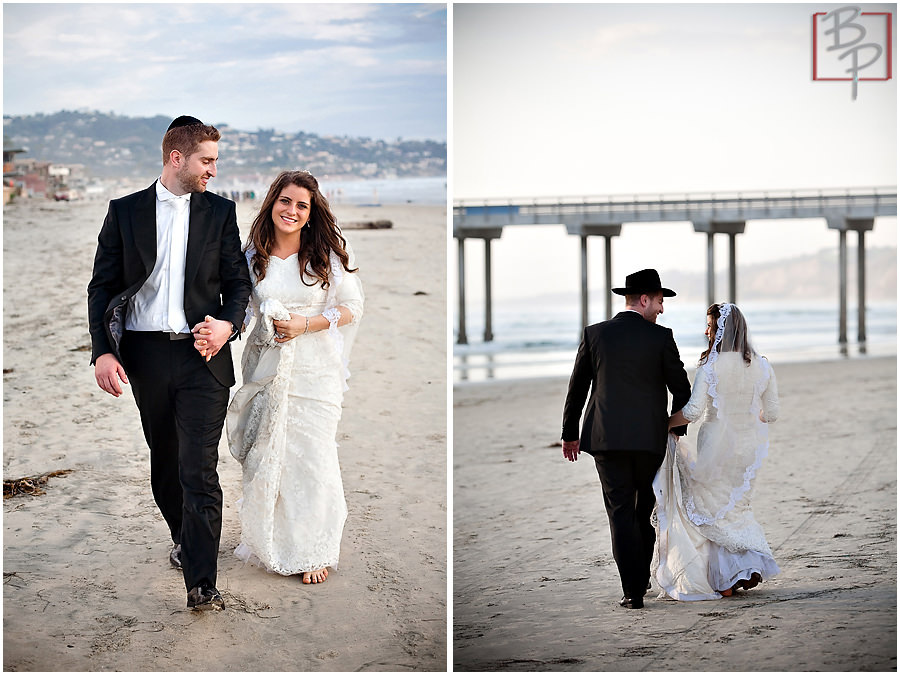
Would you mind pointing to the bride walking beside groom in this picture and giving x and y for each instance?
(709, 542)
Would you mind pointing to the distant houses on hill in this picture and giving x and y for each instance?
(74, 154)
(26, 177)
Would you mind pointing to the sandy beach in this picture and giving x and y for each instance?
(87, 583)
(536, 587)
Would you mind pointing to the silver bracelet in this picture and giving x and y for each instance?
(306, 330)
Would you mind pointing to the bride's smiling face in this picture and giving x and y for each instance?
(291, 210)
(710, 331)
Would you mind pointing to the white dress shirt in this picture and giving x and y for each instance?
(159, 304)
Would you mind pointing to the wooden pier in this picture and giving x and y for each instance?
(711, 214)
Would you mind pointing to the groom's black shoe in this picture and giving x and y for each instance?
(632, 603)
(175, 556)
(205, 597)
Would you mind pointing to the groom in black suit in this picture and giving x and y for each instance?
(168, 265)
(628, 363)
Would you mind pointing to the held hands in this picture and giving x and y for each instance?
(570, 450)
(210, 335)
(108, 372)
(288, 330)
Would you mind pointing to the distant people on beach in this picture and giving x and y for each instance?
(710, 544)
(169, 265)
(241, 195)
(282, 423)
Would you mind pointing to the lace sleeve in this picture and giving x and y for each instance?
(694, 408)
(344, 290)
(349, 291)
(770, 397)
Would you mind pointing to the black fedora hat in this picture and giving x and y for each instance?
(645, 281)
(183, 121)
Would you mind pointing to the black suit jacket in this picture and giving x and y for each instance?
(628, 363)
(216, 279)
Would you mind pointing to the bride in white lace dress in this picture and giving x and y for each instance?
(282, 421)
(709, 542)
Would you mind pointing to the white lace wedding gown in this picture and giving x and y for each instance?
(282, 422)
(708, 536)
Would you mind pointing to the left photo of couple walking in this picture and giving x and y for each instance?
(236, 457)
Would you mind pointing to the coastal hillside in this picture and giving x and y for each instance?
(811, 277)
(116, 146)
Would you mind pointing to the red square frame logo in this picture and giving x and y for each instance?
(888, 53)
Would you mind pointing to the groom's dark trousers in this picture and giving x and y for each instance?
(182, 398)
(627, 480)
(182, 408)
(628, 364)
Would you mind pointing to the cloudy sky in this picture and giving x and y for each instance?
(375, 70)
(553, 100)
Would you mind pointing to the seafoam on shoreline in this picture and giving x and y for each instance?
(536, 338)
(481, 367)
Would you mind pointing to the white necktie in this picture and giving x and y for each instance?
(176, 260)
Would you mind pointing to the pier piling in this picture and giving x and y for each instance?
(586, 230)
(847, 209)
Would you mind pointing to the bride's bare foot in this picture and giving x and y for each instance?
(316, 576)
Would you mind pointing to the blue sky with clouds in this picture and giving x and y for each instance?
(375, 70)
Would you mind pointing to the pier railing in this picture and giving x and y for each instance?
(860, 202)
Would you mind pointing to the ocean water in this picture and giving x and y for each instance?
(541, 340)
(431, 190)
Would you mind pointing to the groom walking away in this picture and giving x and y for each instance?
(628, 362)
(168, 264)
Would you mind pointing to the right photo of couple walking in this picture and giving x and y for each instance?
(450, 337)
(674, 400)
(710, 545)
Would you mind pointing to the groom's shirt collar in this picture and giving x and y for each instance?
(163, 194)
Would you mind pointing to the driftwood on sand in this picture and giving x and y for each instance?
(368, 225)
(30, 485)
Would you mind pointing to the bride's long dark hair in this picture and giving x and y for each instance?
(735, 338)
(321, 233)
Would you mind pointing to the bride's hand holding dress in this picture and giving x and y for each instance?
(299, 324)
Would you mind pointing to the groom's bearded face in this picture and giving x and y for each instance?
(654, 307)
(199, 168)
